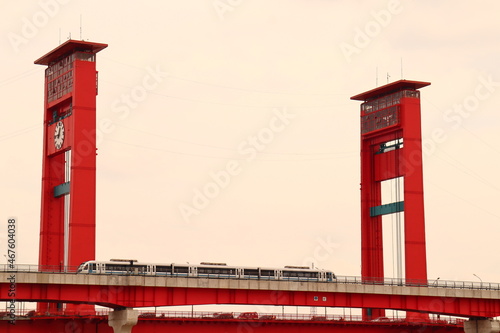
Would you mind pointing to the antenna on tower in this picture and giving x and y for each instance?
(388, 77)
(402, 68)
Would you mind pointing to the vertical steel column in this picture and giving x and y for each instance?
(67, 224)
(415, 253)
(390, 115)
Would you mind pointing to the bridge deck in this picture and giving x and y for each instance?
(340, 286)
(143, 291)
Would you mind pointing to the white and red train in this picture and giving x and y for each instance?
(205, 270)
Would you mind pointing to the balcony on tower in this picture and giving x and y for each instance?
(381, 107)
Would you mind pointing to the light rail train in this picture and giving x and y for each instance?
(205, 270)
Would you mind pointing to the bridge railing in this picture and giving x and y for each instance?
(38, 268)
(438, 283)
(241, 316)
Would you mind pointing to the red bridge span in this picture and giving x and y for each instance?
(208, 322)
(125, 291)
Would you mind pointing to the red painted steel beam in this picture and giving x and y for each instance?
(69, 156)
(186, 325)
(69, 103)
(140, 296)
(391, 114)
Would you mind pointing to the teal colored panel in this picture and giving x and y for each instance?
(61, 189)
(387, 209)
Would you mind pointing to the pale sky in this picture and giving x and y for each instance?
(261, 89)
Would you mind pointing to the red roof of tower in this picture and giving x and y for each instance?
(68, 47)
(390, 88)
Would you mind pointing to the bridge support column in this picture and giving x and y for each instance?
(482, 326)
(122, 321)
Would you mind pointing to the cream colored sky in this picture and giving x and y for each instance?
(261, 90)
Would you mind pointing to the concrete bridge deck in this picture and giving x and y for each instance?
(130, 291)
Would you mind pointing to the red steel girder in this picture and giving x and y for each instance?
(141, 296)
(93, 324)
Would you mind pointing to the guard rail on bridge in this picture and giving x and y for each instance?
(438, 283)
(235, 315)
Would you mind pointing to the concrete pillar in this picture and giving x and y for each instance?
(122, 321)
(482, 326)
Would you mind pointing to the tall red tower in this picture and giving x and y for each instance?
(391, 149)
(67, 227)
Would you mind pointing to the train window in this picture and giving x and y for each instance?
(250, 272)
(266, 272)
(215, 270)
(181, 269)
(300, 274)
(139, 268)
(117, 267)
(203, 270)
(82, 268)
(225, 271)
(311, 275)
(164, 269)
(91, 266)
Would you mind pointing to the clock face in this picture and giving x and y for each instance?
(59, 135)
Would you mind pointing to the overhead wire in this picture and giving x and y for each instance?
(20, 76)
(226, 148)
(229, 104)
(233, 88)
(465, 200)
(222, 157)
(480, 139)
(227, 87)
(464, 169)
(19, 132)
(399, 235)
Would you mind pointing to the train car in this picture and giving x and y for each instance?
(115, 266)
(205, 270)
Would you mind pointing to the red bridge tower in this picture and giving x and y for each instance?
(67, 227)
(391, 149)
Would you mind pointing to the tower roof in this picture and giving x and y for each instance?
(390, 88)
(68, 47)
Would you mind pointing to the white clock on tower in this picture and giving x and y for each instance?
(59, 135)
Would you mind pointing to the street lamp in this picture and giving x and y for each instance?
(481, 286)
